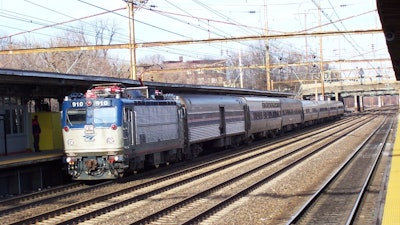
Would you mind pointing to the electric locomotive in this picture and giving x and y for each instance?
(111, 128)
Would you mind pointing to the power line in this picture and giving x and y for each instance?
(345, 37)
(54, 24)
(160, 28)
(227, 18)
(157, 27)
(77, 19)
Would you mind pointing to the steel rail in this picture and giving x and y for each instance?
(301, 212)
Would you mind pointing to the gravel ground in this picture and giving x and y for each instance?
(277, 201)
(264, 206)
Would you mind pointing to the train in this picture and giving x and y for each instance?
(112, 130)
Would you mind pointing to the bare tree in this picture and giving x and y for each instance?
(156, 59)
(97, 62)
(150, 62)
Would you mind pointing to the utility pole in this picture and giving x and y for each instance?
(267, 68)
(132, 47)
(240, 68)
(321, 63)
(306, 40)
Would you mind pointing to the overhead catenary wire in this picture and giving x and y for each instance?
(145, 23)
(53, 25)
(78, 19)
(177, 17)
(139, 21)
(345, 37)
(57, 25)
(144, 7)
(222, 33)
(44, 22)
(261, 29)
(227, 18)
(236, 24)
(225, 35)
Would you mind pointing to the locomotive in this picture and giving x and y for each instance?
(111, 129)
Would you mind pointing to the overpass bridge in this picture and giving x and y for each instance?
(357, 94)
(355, 87)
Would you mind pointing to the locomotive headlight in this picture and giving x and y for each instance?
(70, 142)
(70, 160)
(119, 158)
(110, 140)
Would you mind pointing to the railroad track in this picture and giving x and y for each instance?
(210, 201)
(339, 199)
(28, 200)
(107, 202)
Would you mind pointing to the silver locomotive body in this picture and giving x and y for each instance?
(213, 120)
(153, 134)
(292, 113)
(264, 116)
(106, 134)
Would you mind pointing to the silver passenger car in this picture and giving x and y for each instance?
(323, 110)
(311, 112)
(340, 106)
(330, 110)
(264, 116)
(292, 113)
(213, 118)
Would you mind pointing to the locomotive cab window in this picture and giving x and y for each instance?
(105, 115)
(76, 116)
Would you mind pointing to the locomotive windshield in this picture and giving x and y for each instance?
(81, 116)
(105, 115)
(76, 116)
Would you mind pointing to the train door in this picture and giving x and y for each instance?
(247, 119)
(129, 127)
(3, 137)
(222, 124)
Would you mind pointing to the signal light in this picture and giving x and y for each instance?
(66, 128)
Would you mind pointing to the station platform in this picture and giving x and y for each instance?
(27, 172)
(391, 213)
(29, 158)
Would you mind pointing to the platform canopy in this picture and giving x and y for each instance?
(389, 13)
(36, 85)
